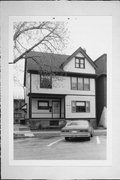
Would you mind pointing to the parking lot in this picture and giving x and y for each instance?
(56, 148)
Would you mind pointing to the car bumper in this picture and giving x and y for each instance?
(87, 134)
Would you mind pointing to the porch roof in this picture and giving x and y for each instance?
(39, 95)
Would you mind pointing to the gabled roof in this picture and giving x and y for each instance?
(46, 61)
(82, 51)
(101, 63)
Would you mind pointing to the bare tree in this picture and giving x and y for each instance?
(46, 36)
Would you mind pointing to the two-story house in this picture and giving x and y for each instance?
(59, 88)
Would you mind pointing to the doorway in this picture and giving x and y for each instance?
(56, 109)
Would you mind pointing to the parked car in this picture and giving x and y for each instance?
(77, 128)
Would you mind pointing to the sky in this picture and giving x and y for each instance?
(93, 33)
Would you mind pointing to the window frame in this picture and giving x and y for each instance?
(83, 79)
(84, 84)
(79, 63)
(42, 76)
(76, 84)
(87, 109)
(43, 107)
(80, 106)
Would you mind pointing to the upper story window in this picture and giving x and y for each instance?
(86, 84)
(78, 83)
(74, 83)
(80, 62)
(46, 81)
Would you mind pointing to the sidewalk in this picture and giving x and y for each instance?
(26, 133)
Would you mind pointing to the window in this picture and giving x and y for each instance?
(86, 84)
(45, 81)
(87, 106)
(80, 106)
(43, 105)
(80, 83)
(74, 83)
(80, 62)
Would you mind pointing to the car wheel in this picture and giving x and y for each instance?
(67, 138)
(91, 135)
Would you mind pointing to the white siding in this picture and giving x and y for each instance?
(60, 85)
(70, 66)
(27, 83)
(27, 102)
(26, 91)
(37, 113)
(70, 114)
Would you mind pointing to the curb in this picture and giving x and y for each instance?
(36, 134)
(50, 134)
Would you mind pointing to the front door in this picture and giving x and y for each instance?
(56, 109)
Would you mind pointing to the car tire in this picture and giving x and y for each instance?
(67, 138)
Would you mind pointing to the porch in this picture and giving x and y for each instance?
(46, 111)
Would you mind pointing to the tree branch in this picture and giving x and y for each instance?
(27, 51)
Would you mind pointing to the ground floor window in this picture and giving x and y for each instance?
(80, 106)
(43, 105)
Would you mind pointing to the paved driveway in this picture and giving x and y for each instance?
(56, 148)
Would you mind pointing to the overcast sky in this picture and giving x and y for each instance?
(93, 33)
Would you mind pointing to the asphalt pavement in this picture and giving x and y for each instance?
(56, 148)
(50, 133)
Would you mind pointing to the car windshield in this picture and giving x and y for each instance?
(78, 123)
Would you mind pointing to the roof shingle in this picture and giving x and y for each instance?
(101, 63)
(46, 61)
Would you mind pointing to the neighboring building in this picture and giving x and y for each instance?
(101, 89)
(19, 112)
(59, 88)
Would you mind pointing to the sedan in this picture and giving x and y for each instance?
(77, 128)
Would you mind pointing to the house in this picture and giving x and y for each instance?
(59, 88)
(19, 112)
(101, 90)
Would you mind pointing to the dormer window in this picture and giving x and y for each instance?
(80, 62)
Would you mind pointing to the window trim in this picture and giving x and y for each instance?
(76, 82)
(75, 106)
(47, 107)
(50, 81)
(84, 106)
(83, 84)
(79, 63)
